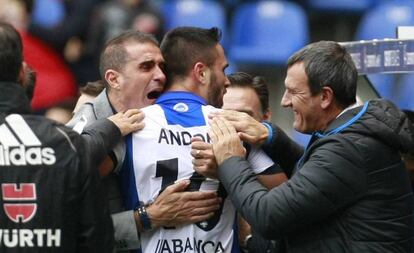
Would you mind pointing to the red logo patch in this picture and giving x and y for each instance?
(19, 212)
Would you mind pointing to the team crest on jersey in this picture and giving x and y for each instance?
(16, 211)
(180, 107)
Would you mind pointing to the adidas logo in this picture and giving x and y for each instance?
(20, 146)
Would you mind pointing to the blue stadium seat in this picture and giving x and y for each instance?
(381, 22)
(48, 13)
(350, 6)
(267, 32)
(199, 13)
(405, 98)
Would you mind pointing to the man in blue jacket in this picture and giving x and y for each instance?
(349, 191)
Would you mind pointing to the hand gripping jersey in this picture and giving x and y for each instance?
(159, 155)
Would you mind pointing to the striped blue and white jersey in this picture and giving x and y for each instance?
(159, 155)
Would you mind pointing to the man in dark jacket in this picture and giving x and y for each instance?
(51, 199)
(349, 191)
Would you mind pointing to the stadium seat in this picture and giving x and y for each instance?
(381, 22)
(350, 6)
(48, 13)
(199, 13)
(267, 32)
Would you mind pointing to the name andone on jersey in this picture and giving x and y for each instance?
(159, 155)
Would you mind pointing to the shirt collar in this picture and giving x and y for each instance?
(347, 109)
(180, 95)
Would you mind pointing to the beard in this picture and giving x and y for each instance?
(215, 93)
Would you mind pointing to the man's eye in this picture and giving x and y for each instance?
(147, 65)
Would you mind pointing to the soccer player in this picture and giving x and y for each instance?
(131, 66)
(159, 154)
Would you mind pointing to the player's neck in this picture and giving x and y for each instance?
(188, 86)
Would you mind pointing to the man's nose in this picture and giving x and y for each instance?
(286, 101)
(159, 75)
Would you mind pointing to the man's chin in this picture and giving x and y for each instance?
(297, 127)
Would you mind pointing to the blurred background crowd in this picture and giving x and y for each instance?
(63, 38)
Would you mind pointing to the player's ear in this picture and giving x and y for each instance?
(112, 77)
(200, 72)
(326, 97)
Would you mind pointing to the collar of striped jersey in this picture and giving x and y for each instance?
(182, 95)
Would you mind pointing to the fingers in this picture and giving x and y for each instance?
(135, 117)
(196, 153)
(187, 196)
(207, 205)
(230, 128)
(204, 161)
(238, 119)
(245, 137)
(212, 134)
(129, 121)
(177, 187)
(228, 114)
(214, 131)
(196, 139)
(200, 166)
(198, 144)
(201, 150)
(199, 162)
(224, 128)
(202, 206)
(178, 190)
(137, 121)
(203, 209)
(132, 112)
(138, 116)
(138, 126)
(199, 218)
(221, 127)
